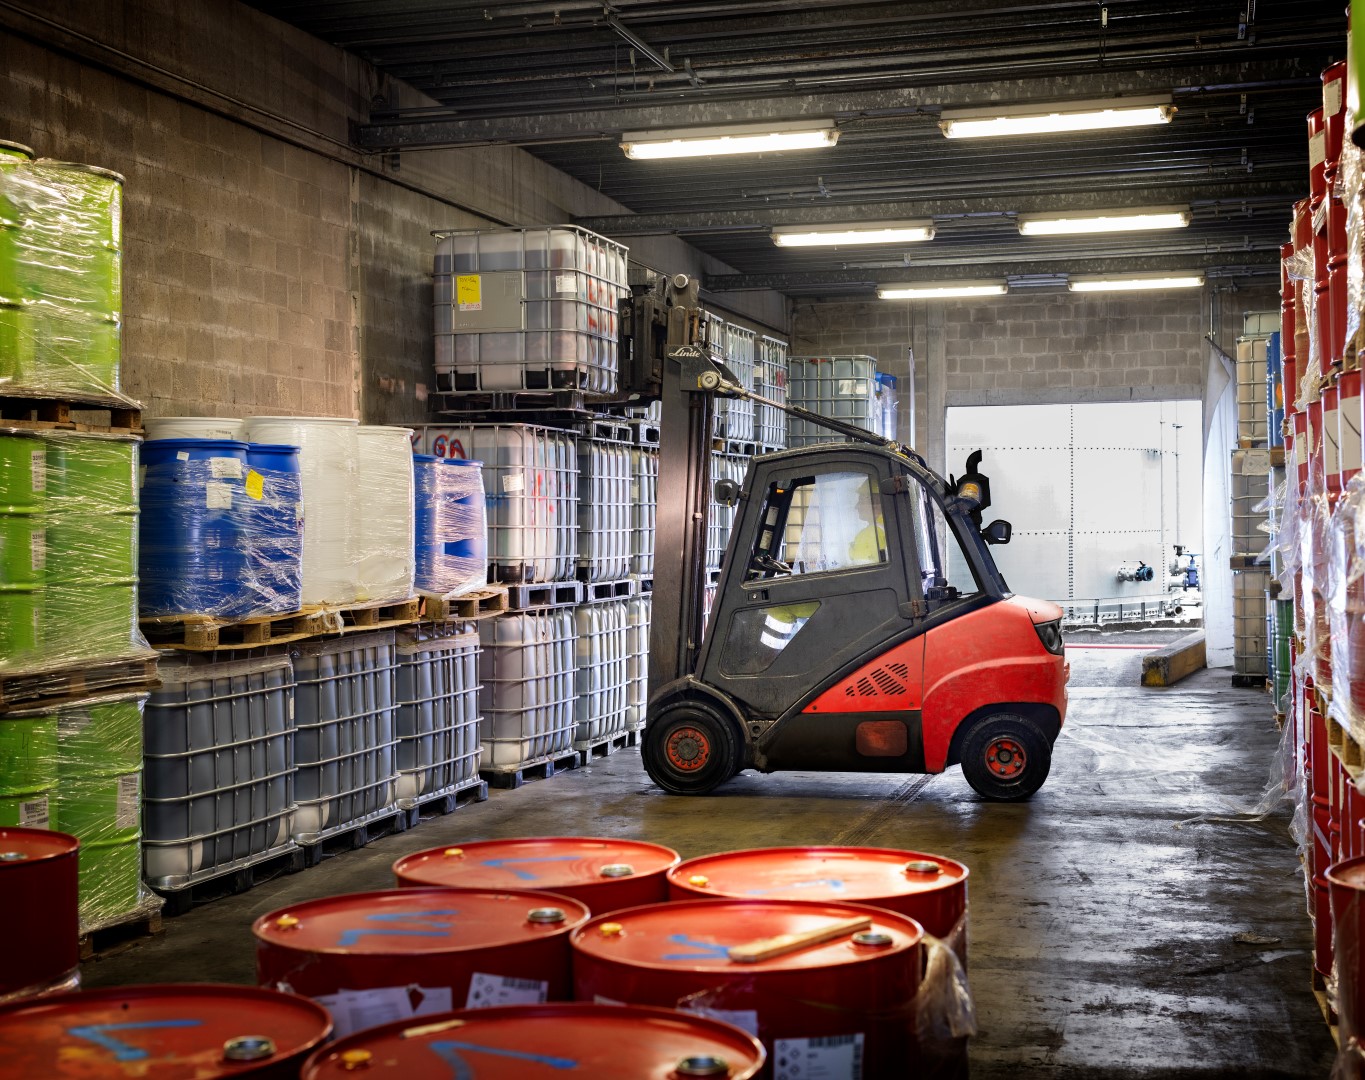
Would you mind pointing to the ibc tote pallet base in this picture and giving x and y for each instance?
(544, 595)
(231, 880)
(734, 447)
(542, 768)
(600, 748)
(508, 403)
(386, 822)
(41, 410)
(645, 433)
(72, 681)
(445, 802)
(593, 591)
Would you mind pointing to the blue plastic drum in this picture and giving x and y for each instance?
(274, 526)
(193, 540)
(466, 540)
(426, 544)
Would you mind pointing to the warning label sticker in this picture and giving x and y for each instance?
(838, 1057)
(486, 990)
(468, 292)
(255, 485)
(229, 468)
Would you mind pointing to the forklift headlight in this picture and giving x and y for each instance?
(969, 490)
(1050, 634)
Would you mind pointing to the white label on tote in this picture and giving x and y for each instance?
(839, 1057)
(125, 815)
(39, 470)
(746, 1019)
(565, 283)
(1331, 97)
(33, 814)
(37, 550)
(182, 455)
(513, 481)
(228, 467)
(217, 496)
(355, 1010)
(486, 990)
(1317, 149)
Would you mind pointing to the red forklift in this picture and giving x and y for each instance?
(859, 623)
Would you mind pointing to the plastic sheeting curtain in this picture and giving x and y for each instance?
(1220, 439)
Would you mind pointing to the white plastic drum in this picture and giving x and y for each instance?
(194, 427)
(327, 464)
(384, 556)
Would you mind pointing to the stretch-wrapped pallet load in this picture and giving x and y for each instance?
(381, 514)
(844, 388)
(222, 528)
(68, 549)
(61, 265)
(76, 767)
(527, 309)
(218, 753)
(530, 477)
(450, 525)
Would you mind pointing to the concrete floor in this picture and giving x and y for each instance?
(1104, 934)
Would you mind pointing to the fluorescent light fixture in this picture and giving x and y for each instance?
(1133, 282)
(748, 139)
(933, 290)
(1059, 117)
(1104, 221)
(870, 232)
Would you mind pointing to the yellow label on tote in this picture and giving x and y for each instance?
(255, 484)
(469, 292)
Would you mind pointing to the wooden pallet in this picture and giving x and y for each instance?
(542, 768)
(208, 633)
(60, 684)
(601, 748)
(623, 589)
(481, 604)
(546, 594)
(1247, 562)
(236, 878)
(1329, 1014)
(41, 410)
(377, 615)
(1341, 743)
(447, 802)
(114, 938)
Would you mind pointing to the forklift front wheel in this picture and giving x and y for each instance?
(689, 749)
(1005, 758)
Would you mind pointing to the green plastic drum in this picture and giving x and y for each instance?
(99, 799)
(91, 606)
(28, 772)
(16, 340)
(23, 473)
(12, 157)
(23, 499)
(14, 151)
(93, 200)
(21, 623)
(73, 351)
(1283, 614)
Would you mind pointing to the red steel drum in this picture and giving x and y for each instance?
(845, 1000)
(1317, 156)
(38, 902)
(607, 875)
(1349, 422)
(1333, 111)
(1346, 880)
(1331, 435)
(428, 950)
(526, 1042)
(173, 1032)
(930, 889)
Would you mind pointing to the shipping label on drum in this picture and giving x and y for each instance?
(37, 550)
(125, 813)
(839, 1057)
(217, 496)
(38, 469)
(225, 468)
(486, 990)
(355, 1010)
(33, 814)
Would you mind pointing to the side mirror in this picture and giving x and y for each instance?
(726, 492)
(997, 532)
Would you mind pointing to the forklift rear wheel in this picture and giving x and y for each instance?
(689, 749)
(1005, 758)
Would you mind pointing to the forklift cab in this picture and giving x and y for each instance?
(860, 624)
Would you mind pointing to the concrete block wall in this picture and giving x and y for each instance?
(268, 268)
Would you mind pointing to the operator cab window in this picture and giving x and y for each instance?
(945, 571)
(819, 524)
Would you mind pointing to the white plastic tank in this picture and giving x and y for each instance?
(638, 609)
(770, 381)
(721, 519)
(437, 712)
(644, 508)
(604, 509)
(381, 518)
(194, 427)
(600, 704)
(841, 387)
(327, 466)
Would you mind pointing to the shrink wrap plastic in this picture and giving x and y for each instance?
(451, 540)
(68, 549)
(93, 750)
(60, 278)
(1350, 188)
(1346, 610)
(1298, 268)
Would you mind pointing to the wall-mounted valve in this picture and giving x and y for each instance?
(1140, 572)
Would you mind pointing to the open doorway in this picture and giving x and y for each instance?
(1105, 499)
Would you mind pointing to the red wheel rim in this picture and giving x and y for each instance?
(688, 749)
(1005, 757)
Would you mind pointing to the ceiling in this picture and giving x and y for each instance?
(564, 79)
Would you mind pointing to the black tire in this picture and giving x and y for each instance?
(690, 749)
(1005, 758)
